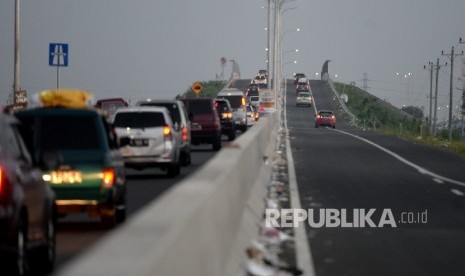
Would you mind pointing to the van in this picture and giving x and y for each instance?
(205, 123)
(237, 99)
(148, 138)
(180, 118)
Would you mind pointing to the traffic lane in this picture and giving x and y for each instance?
(332, 171)
(434, 160)
(336, 171)
(76, 233)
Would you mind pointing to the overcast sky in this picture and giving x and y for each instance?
(151, 48)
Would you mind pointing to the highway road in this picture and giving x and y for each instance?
(348, 168)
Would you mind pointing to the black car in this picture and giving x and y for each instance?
(253, 88)
(27, 207)
(225, 112)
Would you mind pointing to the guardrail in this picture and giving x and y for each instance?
(341, 102)
(199, 227)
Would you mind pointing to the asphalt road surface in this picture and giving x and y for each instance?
(354, 170)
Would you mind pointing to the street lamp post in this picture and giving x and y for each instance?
(16, 65)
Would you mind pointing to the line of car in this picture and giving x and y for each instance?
(304, 98)
(64, 159)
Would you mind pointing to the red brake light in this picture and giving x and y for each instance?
(184, 134)
(1, 180)
(108, 177)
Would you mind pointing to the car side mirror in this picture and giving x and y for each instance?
(124, 141)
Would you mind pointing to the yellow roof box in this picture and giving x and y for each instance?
(65, 97)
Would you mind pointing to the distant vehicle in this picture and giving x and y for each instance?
(303, 98)
(298, 76)
(252, 115)
(253, 88)
(148, 138)
(263, 72)
(90, 176)
(179, 116)
(302, 85)
(237, 99)
(110, 105)
(325, 118)
(225, 114)
(260, 79)
(254, 101)
(27, 207)
(205, 123)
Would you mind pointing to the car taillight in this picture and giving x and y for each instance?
(166, 132)
(184, 134)
(319, 116)
(2, 181)
(108, 177)
(243, 101)
(332, 117)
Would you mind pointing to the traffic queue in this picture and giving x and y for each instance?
(65, 155)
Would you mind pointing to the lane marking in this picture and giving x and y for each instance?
(407, 162)
(439, 181)
(457, 192)
(302, 245)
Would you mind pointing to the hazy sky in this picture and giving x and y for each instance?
(151, 48)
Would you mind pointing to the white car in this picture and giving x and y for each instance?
(304, 98)
(148, 138)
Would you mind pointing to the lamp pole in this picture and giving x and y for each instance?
(16, 62)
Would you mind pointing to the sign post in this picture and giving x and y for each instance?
(58, 57)
(197, 87)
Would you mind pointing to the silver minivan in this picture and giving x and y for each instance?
(178, 113)
(148, 138)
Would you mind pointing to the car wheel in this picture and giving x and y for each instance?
(231, 135)
(46, 253)
(217, 144)
(20, 264)
(120, 209)
(174, 170)
(186, 158)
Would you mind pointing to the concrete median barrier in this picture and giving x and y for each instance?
(199, 227)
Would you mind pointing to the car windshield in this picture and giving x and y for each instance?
(173, 109)
(222, 106)
(139, 119)
(304, 95)
(200, 107)
(69, 133)
(235, 101)
(252, 93)
(326, 114)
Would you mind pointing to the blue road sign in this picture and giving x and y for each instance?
(58, 55)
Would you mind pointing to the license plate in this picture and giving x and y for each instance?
(66, 177)
(196, 127)
(139, 142)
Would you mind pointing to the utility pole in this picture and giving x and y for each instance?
(463, 89)
(452, 55)
(430, 67)
(268, 61)
(437, 67)
(365, 82)
(16, 65)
